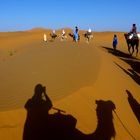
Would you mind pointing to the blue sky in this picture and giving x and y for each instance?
(99, 15)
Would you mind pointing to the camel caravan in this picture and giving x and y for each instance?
(75, 35)
(132, 43)
(132, 40)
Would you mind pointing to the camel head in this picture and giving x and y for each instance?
(105, 129)
(105, 104)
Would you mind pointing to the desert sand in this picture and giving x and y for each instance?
(76, 76)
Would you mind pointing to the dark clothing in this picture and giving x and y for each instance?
(115, 41)
(134, 29)
(37, 118)
(76, 29)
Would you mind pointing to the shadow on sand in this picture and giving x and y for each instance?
(40, 125)
(132, 61)
(131, 73)
(118, 53)
(134, 105)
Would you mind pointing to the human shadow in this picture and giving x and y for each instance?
(134, 105)
(37, 114)
(117, 53)
(131, 73)
(40, 125)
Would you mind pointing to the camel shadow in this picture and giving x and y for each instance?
(134, 105)
(132, 61)
(131, 73)
(40, 125)
(135, 64)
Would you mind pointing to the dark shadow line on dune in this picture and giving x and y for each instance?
(135, 65)
(118, 53)
(131, 73)
(132, 61)
(135, 106)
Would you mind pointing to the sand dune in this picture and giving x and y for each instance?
(76, 75)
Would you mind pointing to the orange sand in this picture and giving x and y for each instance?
(75, 76)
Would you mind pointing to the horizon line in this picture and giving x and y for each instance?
(44, 28)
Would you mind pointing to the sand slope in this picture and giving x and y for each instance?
(75, 76)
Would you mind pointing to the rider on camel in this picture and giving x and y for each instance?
(89, 32)
(134, 29)
(133, 32)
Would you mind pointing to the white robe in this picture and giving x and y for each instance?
(45, 37)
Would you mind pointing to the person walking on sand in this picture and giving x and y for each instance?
(76, 34)
(115, 42)
(45, 37)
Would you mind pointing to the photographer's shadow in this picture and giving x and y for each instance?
(37, 114)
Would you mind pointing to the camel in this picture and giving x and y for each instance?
(72, 35)
(63, 37)
(88, 36)
(53, 36)
(132, 43)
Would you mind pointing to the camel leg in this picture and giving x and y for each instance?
(129, 49)
(87, 39)
(137, 51)
(132, 50)
(137, 47)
